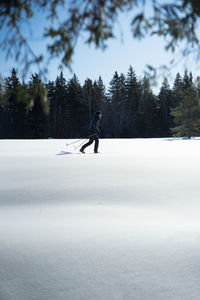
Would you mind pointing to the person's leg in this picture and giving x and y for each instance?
(87, 144)
(96, 145)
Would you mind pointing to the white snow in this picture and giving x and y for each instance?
(122, 224)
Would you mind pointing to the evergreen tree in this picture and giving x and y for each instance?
(60, 108)
(177, 90)
(177, 95)
(186, 115)
(88, 97)
(11, 90)
(5, 130)
(50, 86)
(37, 114)
(100, 93)
(148, 110)
(133, 103)
(77, 108)
(97, 97)
(102, 101)
(16, 107)
(26, 101)
(187, 80)
(116, 107)
(21, 112)
(165, 103)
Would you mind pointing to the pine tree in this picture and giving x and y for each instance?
(11, 89)
(5, 129)
(21, 112)
(116, 107)
(98, 96)
(16, 107)
(77, 108)
(60, 108)
(102, 101)
(40, 107)
(88, 98)
(25, 104)
(133, 103)
(50, 86)
(100, 93)
(165, 104)
(177, 90)
(177, 95)
(148, 110)
(186, 115)
(101, 89)
(187, 80)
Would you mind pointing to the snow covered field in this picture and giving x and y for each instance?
(122, 224)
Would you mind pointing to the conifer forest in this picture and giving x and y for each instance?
(63, 108)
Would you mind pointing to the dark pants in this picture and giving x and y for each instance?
(91, 140)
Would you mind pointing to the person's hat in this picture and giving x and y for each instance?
(98, 113)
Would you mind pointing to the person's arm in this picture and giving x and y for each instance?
(97, 127)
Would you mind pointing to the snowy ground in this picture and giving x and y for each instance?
(122, 225)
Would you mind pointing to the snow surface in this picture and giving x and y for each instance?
(122, 224)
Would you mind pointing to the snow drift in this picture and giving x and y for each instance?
(122, 224)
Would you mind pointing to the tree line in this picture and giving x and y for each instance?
(64, 108)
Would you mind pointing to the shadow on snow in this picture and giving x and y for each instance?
(67, 153)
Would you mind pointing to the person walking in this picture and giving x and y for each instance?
(94, 133)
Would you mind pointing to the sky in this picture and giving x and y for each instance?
(123, 51)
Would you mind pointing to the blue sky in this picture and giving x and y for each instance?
(121, 52)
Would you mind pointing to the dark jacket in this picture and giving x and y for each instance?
(94, 125)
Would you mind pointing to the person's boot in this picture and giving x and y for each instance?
(82, 150)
